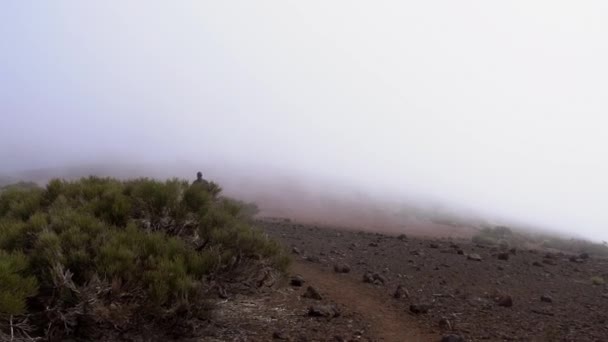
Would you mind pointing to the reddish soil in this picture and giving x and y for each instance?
(463, 295)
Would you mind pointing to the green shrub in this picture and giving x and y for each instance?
(155, 243)
(15, 288)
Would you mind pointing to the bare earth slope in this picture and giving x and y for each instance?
(446, 290)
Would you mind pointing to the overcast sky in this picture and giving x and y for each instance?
(500, 105)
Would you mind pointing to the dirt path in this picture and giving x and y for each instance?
(387, 322)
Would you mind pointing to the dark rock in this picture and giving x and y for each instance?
(328, 311)
(420, 308)
(368, 277)
(342, 268)
(549, 262)
(433, 245)
(474, 257)
(503, 256)
(221, 292)
(583, 256)
(313, 258)
(513, 251)
(537, 264)
(401, 292)
(378, 278)
(297, 280)
(452, 338)
(373, 244)
(402, 237)
(445, 324)
(504, 300)
(295, 250)
(546, 299)
(576, 260)
(312, 293)
(280, 335)
(460, 252)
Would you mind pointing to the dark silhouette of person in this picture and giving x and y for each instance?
(200, 180)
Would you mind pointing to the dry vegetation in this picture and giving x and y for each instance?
(82, 256)
(506, 237)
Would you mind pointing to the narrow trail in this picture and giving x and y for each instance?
(387, 322)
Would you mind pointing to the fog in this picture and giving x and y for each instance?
(496, 108)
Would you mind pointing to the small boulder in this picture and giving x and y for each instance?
(295, 250)
(280, 335)
(402, 237)
(297, 280)
(401, 292)
(546, 299)
(342, 268)
(503, 256)
(378, 278)
(474, 257)
(537, 264)
(504, 300)
(312, 293)
(445, 324)
(433, 245)
(368, 277)
(583, 256)
(452, 338)
(419, 308)
(328, 311)
(373, 244)
(313, 258)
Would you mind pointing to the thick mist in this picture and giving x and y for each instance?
(497, 109)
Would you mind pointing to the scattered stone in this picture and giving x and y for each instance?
(280, 335)
(342, 268)
(537, 264)
(368, 277)
(378, 278)
(576, 260)
(297, 280)
(295, 250)
(402, 237)
(503, 256)
(312, 293)
(452, 338)
(433, 245)
(505, 300)
(583, 256)
(221, 292)
(513, 251)
(328, 311)
(474, 257)
(373, 244)
(445, 324)
(546, 299)
(460, 252)
(416, 252)
(401, 292)
(549, 262)
(420, 308)
(313, 258)
(541, 312)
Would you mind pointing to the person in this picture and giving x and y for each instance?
(200, 180)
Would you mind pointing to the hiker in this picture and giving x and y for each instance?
(200, 180)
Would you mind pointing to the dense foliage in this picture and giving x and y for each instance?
(110, 251)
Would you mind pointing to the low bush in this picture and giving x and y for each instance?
(117, 252)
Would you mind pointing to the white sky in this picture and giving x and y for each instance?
(499, 105)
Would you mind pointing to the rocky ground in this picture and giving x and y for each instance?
(401, 288)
